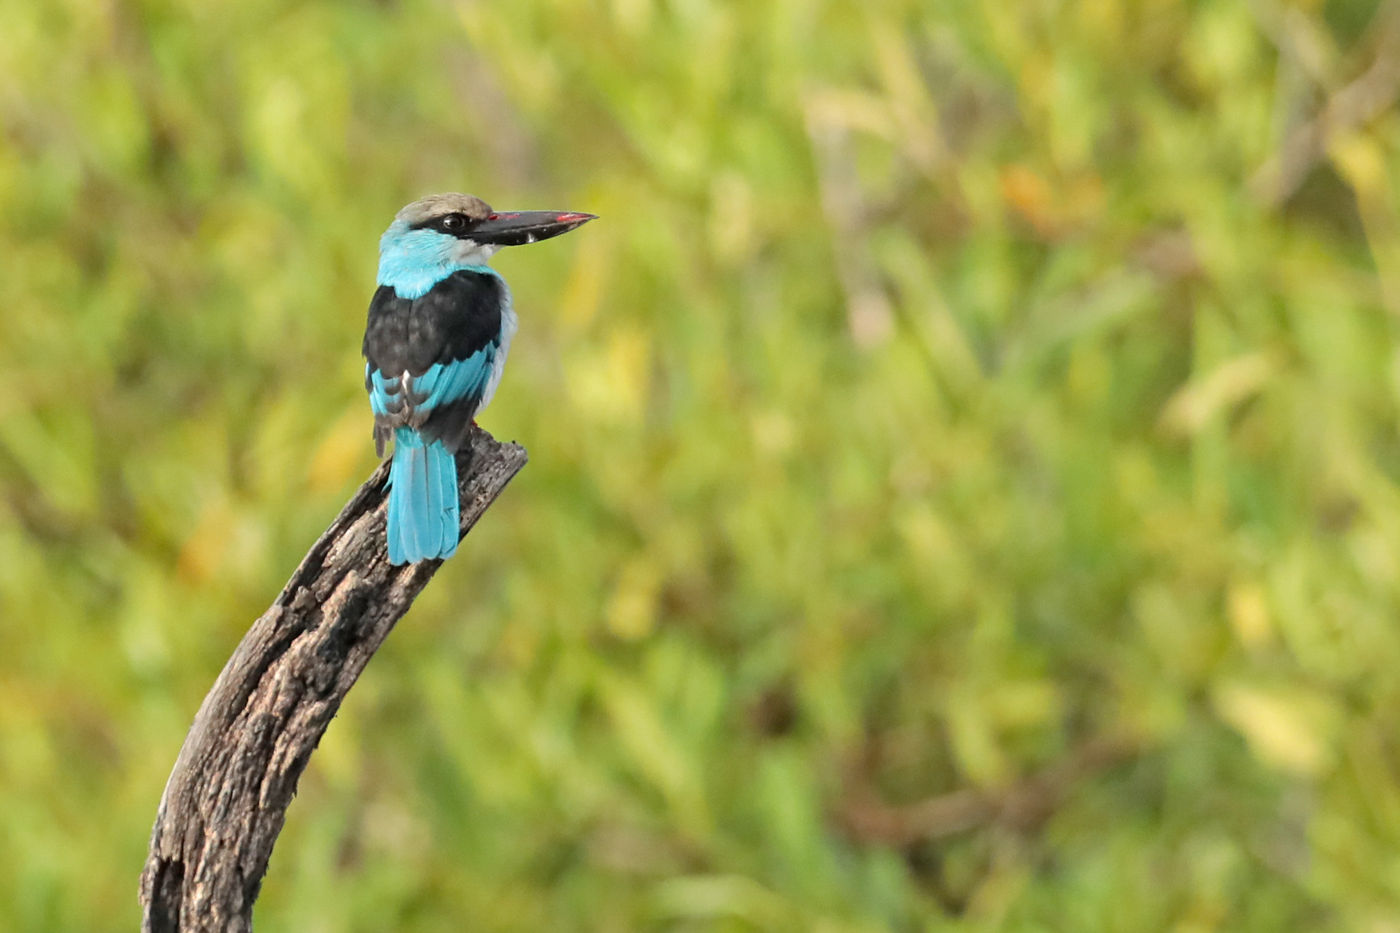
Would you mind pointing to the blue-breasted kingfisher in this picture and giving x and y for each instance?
(439, 329)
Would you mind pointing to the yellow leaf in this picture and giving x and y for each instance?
(1248, 610)
(1230, 383)
(1288, 728)
(632, 609)
(1362, 162)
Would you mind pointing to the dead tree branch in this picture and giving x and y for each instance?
(227, 797)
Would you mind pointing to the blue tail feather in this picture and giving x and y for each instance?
(422, 521)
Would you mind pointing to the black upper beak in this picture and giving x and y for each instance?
(516, 228)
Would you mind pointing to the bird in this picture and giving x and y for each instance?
(440, 325)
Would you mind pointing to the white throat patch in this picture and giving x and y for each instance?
(471, 253)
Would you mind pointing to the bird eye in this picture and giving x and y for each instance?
(454, 223)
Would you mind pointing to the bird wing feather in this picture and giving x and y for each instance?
(432, 359)
(404, 400)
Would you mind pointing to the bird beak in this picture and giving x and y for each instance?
(516, 228)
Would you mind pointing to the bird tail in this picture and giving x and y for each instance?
(422, 521)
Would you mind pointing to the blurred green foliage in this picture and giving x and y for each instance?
(947, 388)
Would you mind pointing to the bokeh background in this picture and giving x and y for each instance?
(965, 472)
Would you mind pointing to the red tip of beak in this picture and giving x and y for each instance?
(572, 218)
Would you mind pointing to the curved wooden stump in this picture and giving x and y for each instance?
(227, 797)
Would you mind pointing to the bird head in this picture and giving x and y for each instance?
(438, 234)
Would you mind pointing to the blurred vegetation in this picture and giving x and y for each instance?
(965, 481)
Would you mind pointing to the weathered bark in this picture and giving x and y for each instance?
(252, 737)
